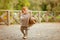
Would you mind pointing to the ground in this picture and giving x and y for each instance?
(39, 31)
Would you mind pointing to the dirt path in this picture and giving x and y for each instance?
(42, 31)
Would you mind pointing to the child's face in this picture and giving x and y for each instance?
(24, 11)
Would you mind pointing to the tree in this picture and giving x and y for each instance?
(21, 3)
(7, 4)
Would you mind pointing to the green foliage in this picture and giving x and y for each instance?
(21, 3)
(13, 4)
(49, 5)
(44, 6)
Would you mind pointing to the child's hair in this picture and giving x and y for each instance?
(24, 8)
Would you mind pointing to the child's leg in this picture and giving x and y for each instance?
(22, 30)
(26, 32)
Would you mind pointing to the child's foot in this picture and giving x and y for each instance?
(24, 37)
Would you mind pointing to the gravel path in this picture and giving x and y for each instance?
(42, 31)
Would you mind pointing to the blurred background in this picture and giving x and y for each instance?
(43, 10)
(46, 12)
